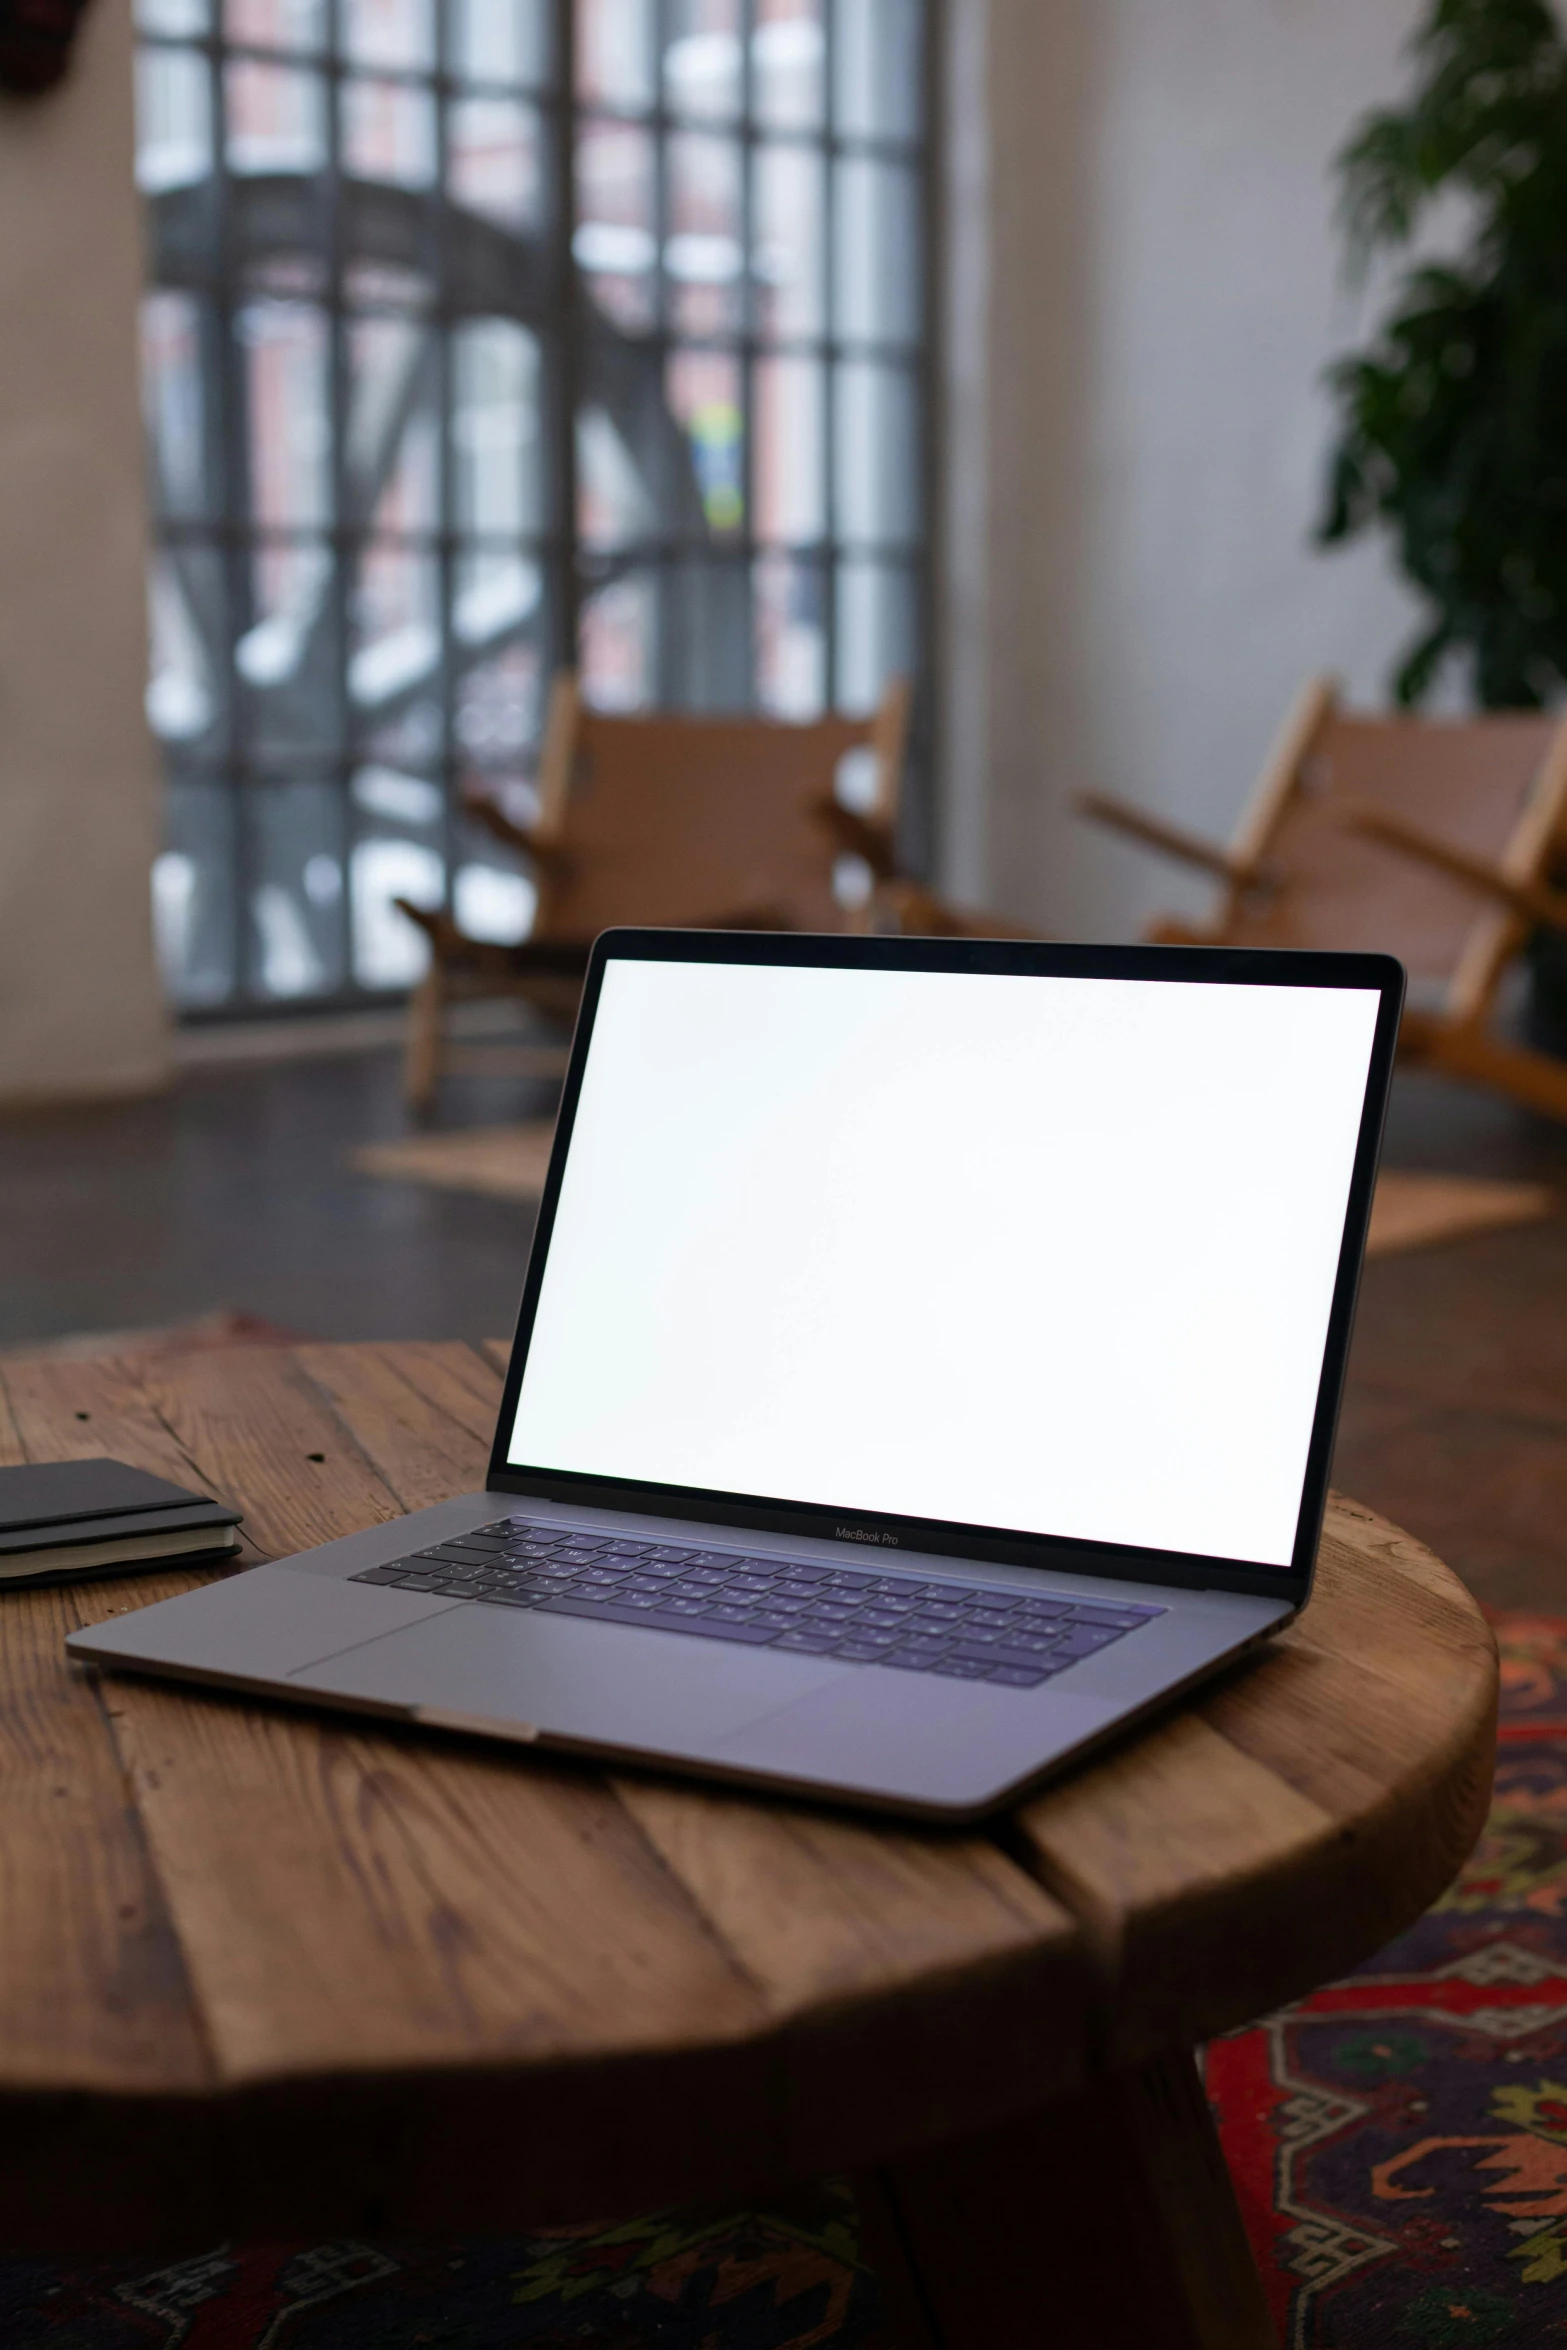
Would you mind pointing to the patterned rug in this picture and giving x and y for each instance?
(788, 2279)
(1399, 2141)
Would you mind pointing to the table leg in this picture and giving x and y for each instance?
(1105, 2223)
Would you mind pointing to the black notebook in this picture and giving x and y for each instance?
(64, 1518)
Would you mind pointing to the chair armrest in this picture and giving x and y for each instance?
(1531, 901)
(907, 909)
(521, 838)
(755, 917)
(854, 835)
(543, 958)
(1153, 833)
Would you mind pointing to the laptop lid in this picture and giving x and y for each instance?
(1037, 1253)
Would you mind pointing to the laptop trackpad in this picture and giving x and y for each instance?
(607, 1682)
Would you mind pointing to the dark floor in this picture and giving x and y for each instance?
(1455, 1420)
(234, 1192)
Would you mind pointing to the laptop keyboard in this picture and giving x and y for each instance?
(1011, 1638)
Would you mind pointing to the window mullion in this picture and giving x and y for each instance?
(564, 348)
(347, 537)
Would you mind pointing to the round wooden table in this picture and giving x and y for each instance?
(271, 1974)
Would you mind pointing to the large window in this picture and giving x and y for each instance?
(485, 336)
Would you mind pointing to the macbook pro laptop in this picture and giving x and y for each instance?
(928, 1363)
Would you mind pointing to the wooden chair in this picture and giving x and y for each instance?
(1427, 839)
(711, 823)
(898, 906)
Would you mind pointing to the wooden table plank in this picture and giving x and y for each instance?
(93, 1995)
(1301, 1711)
(92, 1990)
(428, 1901)
(12, 1449)
(462, 1380)
(917, 1972)
(359, 1907)
(481, 1908)
(1325, 1792)
(822, 1908)
(379, 1901)
(1352, 1531)
(424, 1415)
(1149, 1851)
(818, 1914)
(1419, 1672)
(71, 1411)
(258, 1429)
(431, 1984)
(1380, 1597)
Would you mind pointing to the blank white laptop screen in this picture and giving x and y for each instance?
(1054, 1255)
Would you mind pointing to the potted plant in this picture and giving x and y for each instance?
(1452, 421)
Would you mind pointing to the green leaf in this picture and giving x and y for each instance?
(1451, 422)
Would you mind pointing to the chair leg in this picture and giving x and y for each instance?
(422, 1058)
(1168, 932)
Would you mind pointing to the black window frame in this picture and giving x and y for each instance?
(201, 241)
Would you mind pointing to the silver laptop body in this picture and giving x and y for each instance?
(928, 1364)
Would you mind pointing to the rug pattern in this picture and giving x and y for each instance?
(1399, 2139)
(1399, 2144)
(786, 2279)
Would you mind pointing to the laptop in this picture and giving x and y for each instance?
(927, 1365)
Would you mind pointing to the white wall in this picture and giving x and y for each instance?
(80, 1010)
(1143, 250)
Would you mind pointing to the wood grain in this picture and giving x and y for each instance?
(369, 1901)
(1291, 1817)
(461, 1381)
(357, 1900)
(918, 1974)
(262, 1433)
(92, 1990)
(828, 1920)
(12, 1448)
(264, 1969)
(361, 1898)
(422, 1415)
(64, 1410)
(361, 1907)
